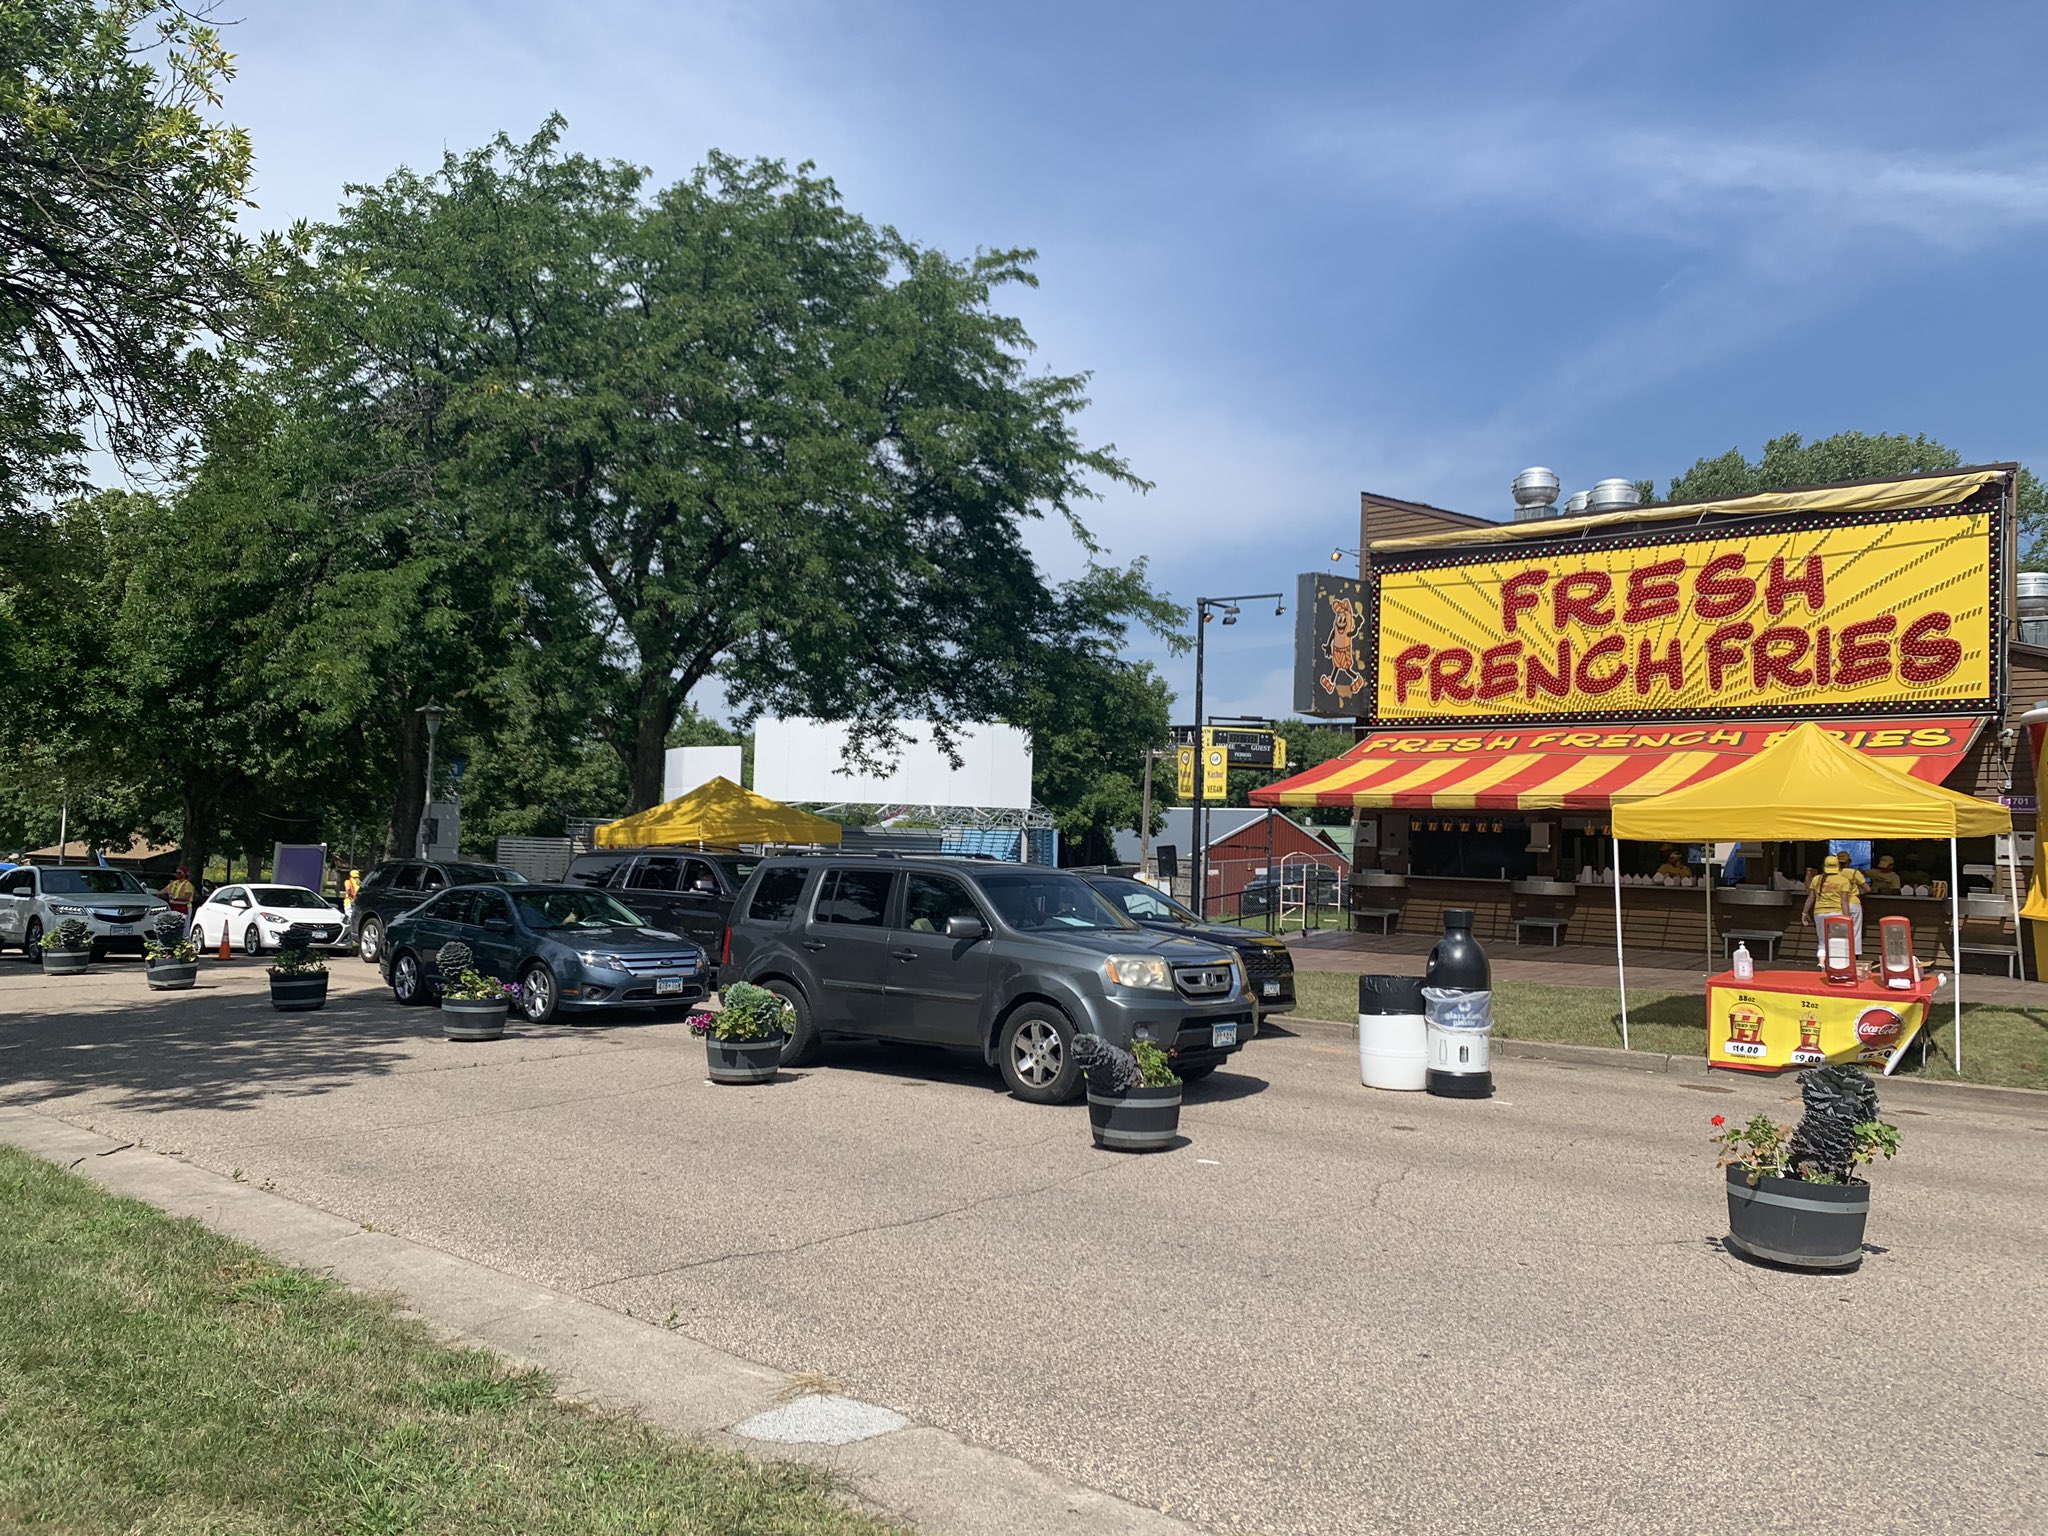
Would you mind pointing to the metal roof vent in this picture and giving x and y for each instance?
(1575, 504)
(1615, 495)
(2031, 588)
(1535, 492)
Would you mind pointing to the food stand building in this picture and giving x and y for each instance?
(1513, 682)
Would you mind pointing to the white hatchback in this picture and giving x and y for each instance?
(254, 917)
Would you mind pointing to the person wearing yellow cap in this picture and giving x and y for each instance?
(1837, 888)
(351, 888)
(1884, 880)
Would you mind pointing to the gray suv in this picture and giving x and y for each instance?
(1006, 959)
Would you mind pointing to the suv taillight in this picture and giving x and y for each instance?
(725, 949)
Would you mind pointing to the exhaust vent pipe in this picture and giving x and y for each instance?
(1535, 492)
(1615, 495)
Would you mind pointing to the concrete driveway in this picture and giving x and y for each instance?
(1332, 1311)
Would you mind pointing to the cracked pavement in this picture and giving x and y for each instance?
(1333, 1311)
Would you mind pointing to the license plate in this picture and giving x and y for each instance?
(667, 986)
(120, 927)
(1269, 989)
(1222, 1036)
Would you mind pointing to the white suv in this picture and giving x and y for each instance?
(118, 908)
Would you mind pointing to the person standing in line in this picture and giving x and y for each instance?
(1838, 888)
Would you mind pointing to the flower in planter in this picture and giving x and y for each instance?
(295, 955)
(68, 937)
(462, 983)
(1838, 1133)
(1113, 1072)
(749, 1013)
(170, 941)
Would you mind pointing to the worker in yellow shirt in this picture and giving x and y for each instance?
(1884, 880)
(1673, 867)
(1837, 888)
(351, 888)
(179, 892)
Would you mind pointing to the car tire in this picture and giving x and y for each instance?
(32, 940)
(540, 995)
(803, 1045)
(408, 979)
(1036, 1054)
(252, 941)
(370, 941)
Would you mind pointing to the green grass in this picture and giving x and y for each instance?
(155, 1377)
(2002, 1045)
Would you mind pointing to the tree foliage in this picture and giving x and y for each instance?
(118, 253)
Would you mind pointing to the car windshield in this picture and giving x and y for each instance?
(91, 882)
(1144, 903)
(573, 909)
(483, 874)
(288, 896)
(1036, 902)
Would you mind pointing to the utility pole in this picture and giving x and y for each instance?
(1227, 606)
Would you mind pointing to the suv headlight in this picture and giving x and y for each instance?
(601, 961)
(1148, 972)
(66, 909)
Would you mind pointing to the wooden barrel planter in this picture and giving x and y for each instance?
(1142, 1120)
(170, 975)
(1796, 1223)
(473, 1018)
(743, 1061)
(298, 994)
(65, 962)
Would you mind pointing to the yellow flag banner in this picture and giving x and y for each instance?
(1809, 618)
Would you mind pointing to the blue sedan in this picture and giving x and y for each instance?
(570, 949)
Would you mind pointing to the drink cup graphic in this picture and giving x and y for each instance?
(1745, 1025)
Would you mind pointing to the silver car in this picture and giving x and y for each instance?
(118, 908)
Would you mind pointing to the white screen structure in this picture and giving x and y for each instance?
(803, 761)
(686, 768)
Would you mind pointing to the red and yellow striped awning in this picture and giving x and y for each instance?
(1568, 768)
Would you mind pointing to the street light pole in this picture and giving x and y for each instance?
(1228, 605)
(432, 714)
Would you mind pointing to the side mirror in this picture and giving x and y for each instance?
(966, 928)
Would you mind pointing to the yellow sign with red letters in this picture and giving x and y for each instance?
(1808, 618)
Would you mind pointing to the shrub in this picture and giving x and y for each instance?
(295, 955)
(749, 1013)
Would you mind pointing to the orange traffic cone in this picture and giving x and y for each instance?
(225, 952)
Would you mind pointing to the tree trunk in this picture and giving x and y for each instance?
(195, 842)
(654, 713)
(408, 796)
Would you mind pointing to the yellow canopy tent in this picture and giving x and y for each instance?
(1808, 785)
(719, 811)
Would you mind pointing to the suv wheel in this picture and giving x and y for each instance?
(32, 940)
(370, 940)
(803, 1045)
(1037, 1056)
(408, 982)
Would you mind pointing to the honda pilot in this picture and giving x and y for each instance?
(1009, 960)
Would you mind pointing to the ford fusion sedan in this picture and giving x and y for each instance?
(571, 950)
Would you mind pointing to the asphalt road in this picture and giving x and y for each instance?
(1332, 1310)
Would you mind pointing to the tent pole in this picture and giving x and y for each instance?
(1708, 882)
(1620, 967)
(2012, 868)
(1955, 911)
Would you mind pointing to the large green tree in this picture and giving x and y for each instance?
(118, 253)
(1790, 461)
(759, 439)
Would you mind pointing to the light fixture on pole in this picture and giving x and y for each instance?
(1227, 606)
(432, 714)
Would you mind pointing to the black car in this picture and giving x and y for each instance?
(1318, 885)
(399, 885)
(568, 948)
(1268, 966)
(688, 891)
(1009, 960)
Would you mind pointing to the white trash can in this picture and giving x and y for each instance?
(1393, 1043)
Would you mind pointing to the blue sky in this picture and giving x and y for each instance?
(1311, 249)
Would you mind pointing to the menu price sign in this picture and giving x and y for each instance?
(1794, 1019)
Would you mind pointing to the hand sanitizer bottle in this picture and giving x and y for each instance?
(1745, 968)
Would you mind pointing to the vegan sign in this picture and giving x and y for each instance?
(1829, 615)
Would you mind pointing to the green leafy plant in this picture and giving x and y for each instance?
(750, 1013)
(1155, 1065)
(170, 942)
(1113, 1071)
(295, 955)
(1838, 1134)
(461, 982)
(68, 937)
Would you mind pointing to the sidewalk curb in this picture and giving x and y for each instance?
(921, 1476)
(1915, 1090)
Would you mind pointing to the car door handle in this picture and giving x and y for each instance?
(814, 945)
(904, 954)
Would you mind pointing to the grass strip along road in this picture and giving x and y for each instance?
(156, 1377)
(2007, 1046)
